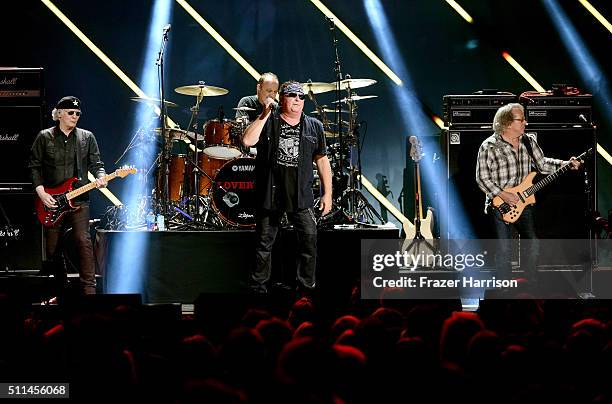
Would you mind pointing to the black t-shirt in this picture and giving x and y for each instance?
(250, 101)
(287, 165)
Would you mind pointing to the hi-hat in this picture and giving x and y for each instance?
(153, 101)
(356, 98)
(354, 83)
(244, 109)
(318, 87)
(175, 133)
(201, 90)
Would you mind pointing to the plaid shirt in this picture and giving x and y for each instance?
(499, 167)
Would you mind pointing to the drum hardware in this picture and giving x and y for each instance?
(348, 199)
(199, 215)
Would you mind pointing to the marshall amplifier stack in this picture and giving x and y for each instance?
(21, 113)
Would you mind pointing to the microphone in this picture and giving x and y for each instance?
(273, 104)
(412, 139)
(167, 28)
(583, 118)
(331, 22)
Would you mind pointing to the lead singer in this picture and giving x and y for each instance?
(288, 142)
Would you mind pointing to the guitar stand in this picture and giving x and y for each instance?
(419, 245)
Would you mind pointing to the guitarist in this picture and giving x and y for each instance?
(58, 154)
(504, 160)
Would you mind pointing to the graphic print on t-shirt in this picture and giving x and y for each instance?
(288, 145)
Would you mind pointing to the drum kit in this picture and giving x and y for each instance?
(205, 178)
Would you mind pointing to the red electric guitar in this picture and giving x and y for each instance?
(64, 194)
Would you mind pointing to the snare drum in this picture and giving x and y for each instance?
(234, 196)
(220, 140)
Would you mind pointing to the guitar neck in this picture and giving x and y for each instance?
(418, 205)
(552, 177)
(86, 188)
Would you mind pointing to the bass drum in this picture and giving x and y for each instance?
(234, 192)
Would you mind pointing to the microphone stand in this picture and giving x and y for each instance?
(163, 113)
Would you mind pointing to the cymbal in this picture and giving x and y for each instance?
(201, 90)
(318, 87)
(244, 109)
(153, 101)
(331, 111)
(355, 83)
(356, 98)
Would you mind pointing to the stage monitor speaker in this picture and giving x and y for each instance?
(560, 208)
(21, 235)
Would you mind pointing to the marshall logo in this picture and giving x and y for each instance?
(245, 215)
(243, 168)
(9, 82)
(462, 113)
(8, 138)
(227, 185)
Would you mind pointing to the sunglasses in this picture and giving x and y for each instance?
(78, 113)
(293, 95)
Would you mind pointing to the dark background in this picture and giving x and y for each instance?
(442, 53)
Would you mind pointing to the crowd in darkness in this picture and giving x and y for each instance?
(275, 349)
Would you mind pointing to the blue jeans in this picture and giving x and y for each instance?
(266, 230)
(530, 246)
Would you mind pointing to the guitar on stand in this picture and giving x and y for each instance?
(419, 235)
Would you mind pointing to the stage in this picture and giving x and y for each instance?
(180, 265)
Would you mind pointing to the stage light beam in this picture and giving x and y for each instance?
(523, 72)
(597, 15)
(217, 37)
(464, 14)
(375, 59)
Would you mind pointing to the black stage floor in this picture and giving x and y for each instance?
(181, 265)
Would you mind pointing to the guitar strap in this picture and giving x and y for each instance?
(79, 139)
(527, 142)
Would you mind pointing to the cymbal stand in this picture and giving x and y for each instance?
(356, 206)
(164, 163)
(195, 192)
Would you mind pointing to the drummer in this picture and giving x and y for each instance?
(267, 87)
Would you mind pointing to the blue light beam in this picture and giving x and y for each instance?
(131, 254)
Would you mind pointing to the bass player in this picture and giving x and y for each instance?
(504, 160)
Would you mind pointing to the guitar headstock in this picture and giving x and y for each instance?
(125, 170)
(416, 149)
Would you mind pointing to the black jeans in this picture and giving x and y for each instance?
(530, 245)
(55, 239)
(267, 224)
